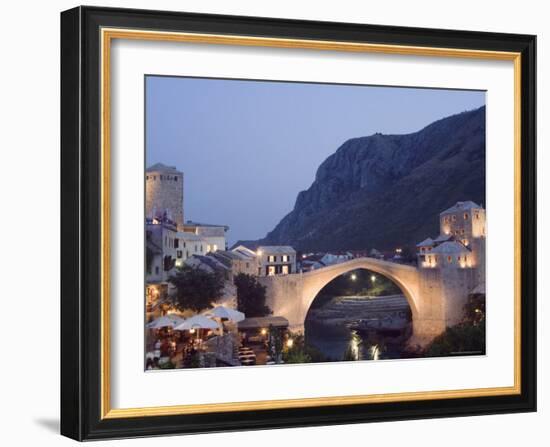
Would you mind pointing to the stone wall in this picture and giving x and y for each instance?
(163, 192)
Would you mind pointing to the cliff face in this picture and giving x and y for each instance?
(388, 190)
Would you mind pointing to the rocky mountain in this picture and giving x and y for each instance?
(386, 191)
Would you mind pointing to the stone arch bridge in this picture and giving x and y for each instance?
(434, 304)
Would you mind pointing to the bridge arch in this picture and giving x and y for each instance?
(404, 276)
(291, 296)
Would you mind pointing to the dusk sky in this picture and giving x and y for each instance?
(247, 148)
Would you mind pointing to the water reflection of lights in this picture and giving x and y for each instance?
(354, 345)
(375, 352)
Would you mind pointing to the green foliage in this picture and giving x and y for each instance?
(167, 365)
(195, 361)
(301, 352)
(251, 296)
(474, 309)
(466, 337)
(462, 338)
(196, 288)
(275, 343)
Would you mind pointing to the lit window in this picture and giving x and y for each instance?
(284, 270)
(271, 258)
(284, 258)
(215, 248)
(271, 270)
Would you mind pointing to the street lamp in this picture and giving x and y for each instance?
(373, 278)
(353, 276)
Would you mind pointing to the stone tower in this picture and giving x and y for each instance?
(164, 192)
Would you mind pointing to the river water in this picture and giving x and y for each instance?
(359, 328)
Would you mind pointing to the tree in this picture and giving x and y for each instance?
(467, 336)
(251, 296)
(301, 352)
(196, 288)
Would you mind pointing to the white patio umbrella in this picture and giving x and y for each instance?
(197, 322)
(164, 321)
(227, 313)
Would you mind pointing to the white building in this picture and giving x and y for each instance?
(461, 242)
(335, 258)
(214, 235)
(464, 221)
(276, 260)
(237, 262)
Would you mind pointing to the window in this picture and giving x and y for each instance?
(449, 259)
(201, 248)
(146, 177)
(176, 243)
(175, 178)
(247, 265)
(179, 253)
(476, 215)
(285, 270)
(271, 258)
(271, 270)
(466, 216)
(156, 270)
(284, 258)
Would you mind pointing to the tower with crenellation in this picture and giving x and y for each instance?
(164, 193)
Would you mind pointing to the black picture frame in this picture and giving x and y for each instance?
(81, 223)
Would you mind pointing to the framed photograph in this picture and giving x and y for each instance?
(276, 223)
